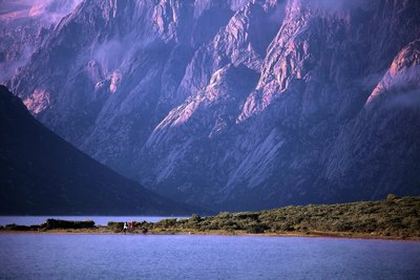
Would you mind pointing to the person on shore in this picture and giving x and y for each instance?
(131, 226)
(125, 227)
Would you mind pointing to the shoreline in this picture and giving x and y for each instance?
(331, 235)
(391, 219)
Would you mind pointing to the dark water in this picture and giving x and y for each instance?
(60, 256)
(99, 220)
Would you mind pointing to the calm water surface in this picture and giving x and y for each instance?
(61, 256)
(99, 220)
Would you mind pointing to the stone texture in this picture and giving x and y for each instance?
(237, 104)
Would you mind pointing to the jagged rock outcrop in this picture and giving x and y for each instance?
(379, 149)
(24, 24)
(232, 104)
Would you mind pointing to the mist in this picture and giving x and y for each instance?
(406, 100)
(49, 11)
(20, 24)
(338, 5)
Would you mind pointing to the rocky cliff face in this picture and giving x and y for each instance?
(380, 146)
(24, 24)
(237, 104)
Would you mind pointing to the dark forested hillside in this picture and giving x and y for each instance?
(43, 174)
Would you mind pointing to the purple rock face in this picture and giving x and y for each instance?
(23, 26)
(238, 104)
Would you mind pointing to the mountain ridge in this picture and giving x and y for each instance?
(232, 104)
(43, 174)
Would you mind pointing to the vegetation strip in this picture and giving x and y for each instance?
(393, 218)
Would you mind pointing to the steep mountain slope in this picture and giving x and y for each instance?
(24, 24)
(381, 146)
(42, 174)
(233, 104)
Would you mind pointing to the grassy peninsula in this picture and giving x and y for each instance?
(393, 218)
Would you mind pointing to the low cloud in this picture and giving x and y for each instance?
(112, 54)
(403, 88)
(17, 15)
(49, 11)
(338, 5)
(407, 100)
(109, 54)
(52, 11)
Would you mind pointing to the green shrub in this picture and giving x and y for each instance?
(63, 224)
(255, 228)
(116, 226)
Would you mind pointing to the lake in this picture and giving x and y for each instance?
(99, 220)
(87, 256)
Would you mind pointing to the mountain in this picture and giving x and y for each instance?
(23, 25)
(43, 174)
(239, 104)
(380, 148)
